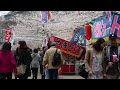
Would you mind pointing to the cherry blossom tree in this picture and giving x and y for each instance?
(30, 28)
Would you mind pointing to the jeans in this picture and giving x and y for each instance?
(5, 75)
(46, 73)
(53, 73)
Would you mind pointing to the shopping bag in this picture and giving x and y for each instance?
(21, 69)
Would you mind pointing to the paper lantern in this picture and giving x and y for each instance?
(88, 32)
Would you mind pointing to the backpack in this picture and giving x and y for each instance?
(56, 58)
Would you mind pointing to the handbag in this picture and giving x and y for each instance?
(21, 69)
(82, 71)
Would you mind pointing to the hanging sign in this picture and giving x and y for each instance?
(66, 46)
(101, 29)
(116, 26)
(8, 35)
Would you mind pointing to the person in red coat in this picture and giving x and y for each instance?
(7, 62)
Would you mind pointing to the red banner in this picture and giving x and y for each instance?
(66, 46)
(8, 35)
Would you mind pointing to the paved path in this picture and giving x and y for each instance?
(70, 77)
(61, 77)
(64, 77)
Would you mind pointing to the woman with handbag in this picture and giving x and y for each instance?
(23, 58)
(94, 60)
(7, 62)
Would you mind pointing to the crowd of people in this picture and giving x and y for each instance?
(101, 60)
(24, 61)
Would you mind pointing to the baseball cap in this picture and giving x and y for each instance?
(112, 36)
(53, 44)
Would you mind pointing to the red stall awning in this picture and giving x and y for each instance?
(66, 46)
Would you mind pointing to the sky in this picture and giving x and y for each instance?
(3, 12)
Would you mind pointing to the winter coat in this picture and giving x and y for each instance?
(7, 62)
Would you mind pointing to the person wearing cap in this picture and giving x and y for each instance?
(111, 57)
(48, 58)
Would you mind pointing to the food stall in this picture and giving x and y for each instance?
(68, 64)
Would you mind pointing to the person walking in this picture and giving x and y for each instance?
(7, 62)
(112, 58)
(44, 70)
(94, 60)
(41, 66)
(49, 58)
(23, 57)
(36, 59)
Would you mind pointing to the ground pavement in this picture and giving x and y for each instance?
(63, 77)
(60, 77)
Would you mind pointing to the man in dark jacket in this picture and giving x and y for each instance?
(111, 56)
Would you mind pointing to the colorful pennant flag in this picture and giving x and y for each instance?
(49, 15)
(8, 35)
(45, 16)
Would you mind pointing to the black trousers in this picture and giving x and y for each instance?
(5, 75)
(34, 72)
(41, 72)
(23, 77)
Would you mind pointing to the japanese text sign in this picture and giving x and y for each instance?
(66, 46)
(116, 25)
(101, 28)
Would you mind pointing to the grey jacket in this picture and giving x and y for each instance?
(35, 60)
